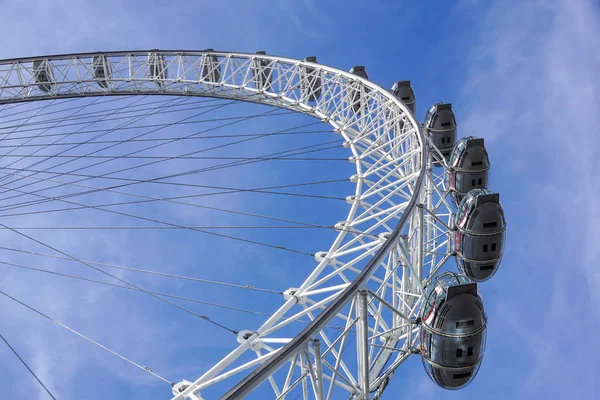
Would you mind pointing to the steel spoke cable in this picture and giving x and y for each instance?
(154, 146)
(45, 199)
(80, 278)
(151, 272)
(166, 124)
(224, 190)
(75, 277)
(45, 130)
(75, 228)
(154, 162)
(27, 366)
(190, 204)
(185, 119)
(33, 116)
(136, 119)
(44, 105)
(237, 100)
(222, 235)
(182, 157)
(302, 224)
(81, 335)
(50, 144)
(130, 122)
(202, 317)
(114, 111)
(206, 137)
(182, 184)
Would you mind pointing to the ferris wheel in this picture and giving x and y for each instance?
(378, 292)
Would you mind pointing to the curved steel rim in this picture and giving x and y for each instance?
(261, 373)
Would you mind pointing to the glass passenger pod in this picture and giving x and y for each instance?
(262, 72)
(311, 81)
(453, 330)
(480, 236)
(469, 167)
(102, 70)
(356, 99)
(440, 126)
(42, 74)
(157, 68)
(404, 92)
(209, 68)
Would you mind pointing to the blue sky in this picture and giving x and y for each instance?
(523, 75)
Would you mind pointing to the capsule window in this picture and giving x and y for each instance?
(476, 163)
(464, 324)
(493, 246)
(486, 267)
(480, 181)
(461, 375)
(459, 353)
(445, 124)
(405, 98)
(490, 224)
(485, 248)
(472, 182)
(470, 351)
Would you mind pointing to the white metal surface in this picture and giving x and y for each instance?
(396, 236)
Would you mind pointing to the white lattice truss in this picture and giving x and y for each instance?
(366, 288)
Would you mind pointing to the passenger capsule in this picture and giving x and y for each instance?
(469, 167)
(101, 68)
(404, 92)
(157, 68)
(480, 235)
(356, 99)
(453, 330)
(42, 74)
(262, 72)
(440, 126)
(311, 82)
(211, 71)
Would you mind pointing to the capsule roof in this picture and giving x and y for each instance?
(480, 212)
(440, 117)
(359, 70)
(404, 91)
(469, 154)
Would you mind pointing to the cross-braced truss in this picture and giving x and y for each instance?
(363, 296)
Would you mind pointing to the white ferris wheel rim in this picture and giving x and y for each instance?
(18, 84)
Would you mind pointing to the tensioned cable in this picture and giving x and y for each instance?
(100, 208)
(100, 228)
(185, 157)
(146, 271)
(195, 171)
(113, 111)
(130, 288)
(46, 130)
(111, 188)
(199, 121)
(97, 136)
(150, 199)
(203, 317)
(225, 190)
(154, 146)
(160, 139)
(179, 100)
(27, 366)
(162, 294)
(162, 127)
(88, 339)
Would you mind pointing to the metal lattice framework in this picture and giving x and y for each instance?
(370, 280)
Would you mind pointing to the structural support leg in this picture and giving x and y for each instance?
(364, 342)
(319, 368)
